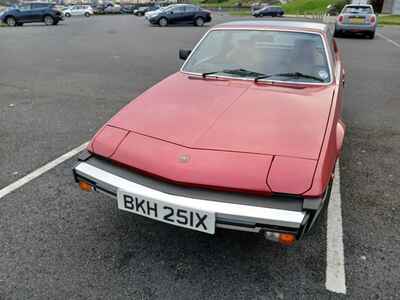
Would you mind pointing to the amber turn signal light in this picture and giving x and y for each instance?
(85, 186)
(287, 239)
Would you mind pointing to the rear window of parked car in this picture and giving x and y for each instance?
(357, 10)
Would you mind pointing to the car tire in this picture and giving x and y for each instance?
(199, 21)
(371, 35)
(87, 15)
(49, 20)
(68, 15)
(11, 21)
(163, 22)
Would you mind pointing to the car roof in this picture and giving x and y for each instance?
(282, 25)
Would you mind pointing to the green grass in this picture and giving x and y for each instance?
(307, 6)
(293, 7)
(389, 20)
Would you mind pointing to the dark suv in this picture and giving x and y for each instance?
(31, 13)
(179, 13)
(271, 11)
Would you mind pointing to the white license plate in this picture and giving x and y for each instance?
(357, 20)
(166, 212)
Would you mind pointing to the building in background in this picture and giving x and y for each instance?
(391, 7)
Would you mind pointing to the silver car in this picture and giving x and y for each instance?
(356, 18)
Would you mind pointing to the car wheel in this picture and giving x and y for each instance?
(87, 15)
(10, 21)
(199, 21)
(163, 22)
(68, 15)
(371, 35)
(49, 20)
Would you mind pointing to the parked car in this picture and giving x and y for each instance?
(79, 10)
(268, 11)
(179, 14)
(245, 136)
(141, 11)
(356, 18)
(99, 9)
(128, 8)
(31, 13)
(112, 9)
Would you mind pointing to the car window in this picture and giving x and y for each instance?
(24, 7)
(262, 52)
(178, 9)
(39, 5)
(357, 10)
(191, 8)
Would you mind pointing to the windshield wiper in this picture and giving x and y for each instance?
(239, 72)
(290, 75)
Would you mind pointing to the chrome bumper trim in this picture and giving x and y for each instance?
(110, 183)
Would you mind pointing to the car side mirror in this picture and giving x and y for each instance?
(184, 54)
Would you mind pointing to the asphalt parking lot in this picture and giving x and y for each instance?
(59, 84)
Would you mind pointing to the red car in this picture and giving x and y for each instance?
(245, 136)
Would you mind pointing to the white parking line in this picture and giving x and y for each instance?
(388, 40)
(24, 180)
(335, 280)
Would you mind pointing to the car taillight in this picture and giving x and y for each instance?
(340, 19)
(372, 19)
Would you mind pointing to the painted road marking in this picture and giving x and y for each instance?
(335, 280)
(388, 40)
(24, 180)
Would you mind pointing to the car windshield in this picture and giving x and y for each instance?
(276, 55)
(357, 10)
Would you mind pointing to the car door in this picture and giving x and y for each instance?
(176, 15)
(75, 11)
(189, 13)
(81, 11)
(38, 11)
(266, 12)
(25, 13)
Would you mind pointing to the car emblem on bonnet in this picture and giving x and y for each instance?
(184, 158)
